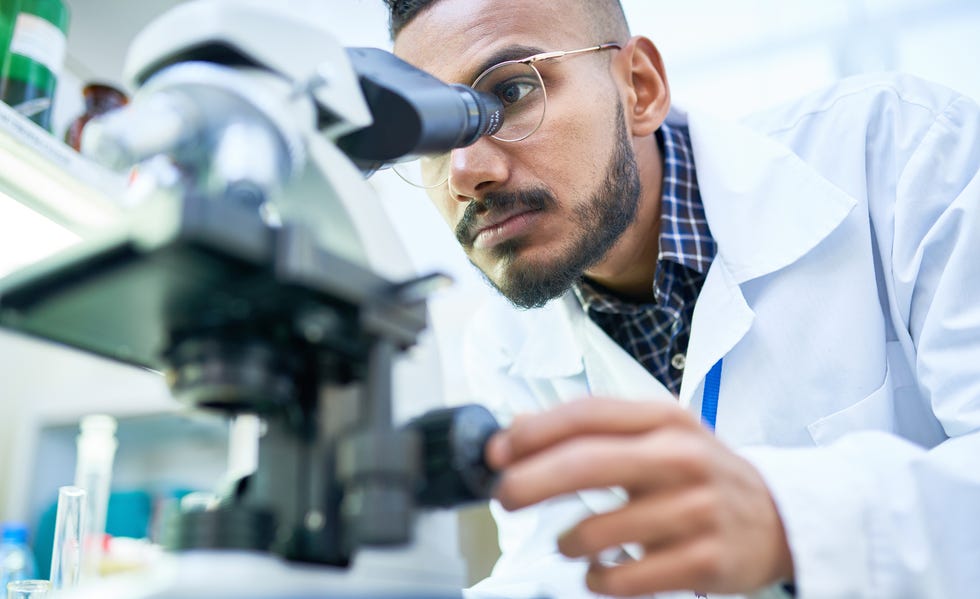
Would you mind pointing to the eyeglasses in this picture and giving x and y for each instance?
(519, 86)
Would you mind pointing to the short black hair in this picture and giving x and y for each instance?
(401, 13)
(606, 16)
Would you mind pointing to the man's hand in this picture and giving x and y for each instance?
(702, 514)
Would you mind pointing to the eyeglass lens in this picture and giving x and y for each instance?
(521, 90)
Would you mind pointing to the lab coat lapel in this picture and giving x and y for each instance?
(564, 345)
(610, 370)
(550, 348)
(766, 209)
(721, 318)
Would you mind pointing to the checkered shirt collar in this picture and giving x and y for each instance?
(684, 235)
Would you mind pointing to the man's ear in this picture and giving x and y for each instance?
(647, 94)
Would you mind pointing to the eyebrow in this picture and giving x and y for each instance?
(515, 52)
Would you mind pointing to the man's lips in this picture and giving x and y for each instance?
(498, 228)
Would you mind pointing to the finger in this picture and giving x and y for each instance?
(653, 521)
(636, 463)
(586, 463)
(694, 566)
(641, 464)
(533, 433)
(497, 450)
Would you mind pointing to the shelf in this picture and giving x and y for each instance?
(53, 180)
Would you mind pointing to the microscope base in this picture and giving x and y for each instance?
(249, 575)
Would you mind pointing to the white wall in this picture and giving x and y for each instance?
(734, 58)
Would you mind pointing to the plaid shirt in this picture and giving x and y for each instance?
(656, 333)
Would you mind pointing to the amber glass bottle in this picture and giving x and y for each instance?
(99, 99)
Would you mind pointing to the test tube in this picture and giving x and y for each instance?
(93, 472)
(28, 589)
(66, 555)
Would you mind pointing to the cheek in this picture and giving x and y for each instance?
(570, 151)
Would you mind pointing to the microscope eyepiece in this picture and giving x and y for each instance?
(484, 114)
(414, 113)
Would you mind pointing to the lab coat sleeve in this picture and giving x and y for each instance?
(873, 515)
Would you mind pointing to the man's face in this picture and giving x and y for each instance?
(535, 214)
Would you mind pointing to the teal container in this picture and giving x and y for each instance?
(34, 56)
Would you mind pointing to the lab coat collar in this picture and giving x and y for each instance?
(765, 207)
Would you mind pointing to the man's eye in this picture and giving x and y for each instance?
(513, 91)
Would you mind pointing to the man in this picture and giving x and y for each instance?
(806, 286)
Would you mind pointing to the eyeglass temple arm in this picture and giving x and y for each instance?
(563, 53)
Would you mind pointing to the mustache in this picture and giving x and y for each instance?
(500, 201)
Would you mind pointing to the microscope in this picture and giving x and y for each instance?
(257, 271)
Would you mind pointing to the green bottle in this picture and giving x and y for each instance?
(36, 53)
(8, 10)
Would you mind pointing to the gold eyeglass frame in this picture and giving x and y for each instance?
(531, 62)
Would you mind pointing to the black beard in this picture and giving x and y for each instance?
(601, 221)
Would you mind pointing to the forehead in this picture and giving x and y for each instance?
(456, 40)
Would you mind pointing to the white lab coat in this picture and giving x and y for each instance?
(845, 300)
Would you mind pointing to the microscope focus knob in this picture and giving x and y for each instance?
(454, 469)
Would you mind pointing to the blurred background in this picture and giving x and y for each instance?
(731, 58)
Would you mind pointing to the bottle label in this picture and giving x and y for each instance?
(39, 40)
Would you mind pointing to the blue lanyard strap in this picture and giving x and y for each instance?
(709, 409)
(709, 402)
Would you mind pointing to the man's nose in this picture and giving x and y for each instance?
(477, 169)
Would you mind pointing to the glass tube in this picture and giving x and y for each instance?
(96, 448)
(66, 555)
(28, 589)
